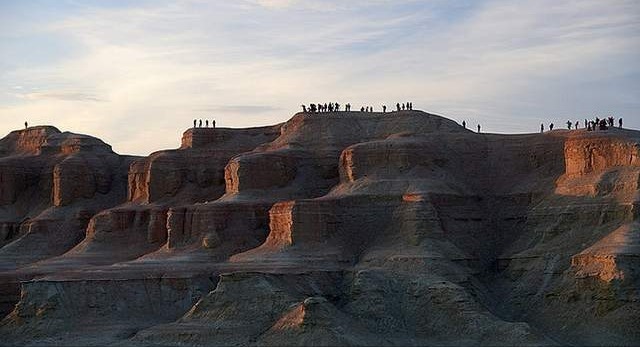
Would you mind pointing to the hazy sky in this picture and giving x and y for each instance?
(136, 73)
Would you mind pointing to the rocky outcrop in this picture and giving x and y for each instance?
(341, 228)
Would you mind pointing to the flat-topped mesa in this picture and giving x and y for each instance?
(68, 143)
(341, 129)
(194, 172)
(205, 137)
(26, 141)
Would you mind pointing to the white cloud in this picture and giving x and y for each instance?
(156, 67)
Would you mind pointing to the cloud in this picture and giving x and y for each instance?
(238, 109)
(157, 65)
(61, 95)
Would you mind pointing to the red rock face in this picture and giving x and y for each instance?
(330, 229)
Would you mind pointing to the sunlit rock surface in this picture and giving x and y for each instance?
(342, 228)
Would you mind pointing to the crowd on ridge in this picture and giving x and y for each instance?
(335, 107)
(591, 125)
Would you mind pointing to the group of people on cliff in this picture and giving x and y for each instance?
(592, 125)
(198, 123)
(335, 107)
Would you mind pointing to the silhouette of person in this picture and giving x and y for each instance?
(478, 128)
(411, 105)
(403, 107)
(206, 122)
(26, 125)
(569, 124)
(619, 123)
(370, 108)
(200, 123)
(585, 122)
(541, 127)
(194, 123)
(213, 123)
(304, 108)
(337, 107)
(576, 124)
(464, 124)
(398, 106)
(550, 126)
(384, 108)
(362, 109)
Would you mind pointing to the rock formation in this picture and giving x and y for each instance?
(342, 228)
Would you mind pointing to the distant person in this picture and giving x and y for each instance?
(576, 124)
(619, 123)
(541, 127)
(464, 124)
(585, 122)
(478, 128)
(550, 126)
(384, 108)
(362, 109)
(403, 106)
(304, 108)
(200, 123)
(569, 124)
(411, 106)
(206, 122)
(370, 108)
(194, 123)
(337, 107)
(26, 125)
(213, 123)
(398, 106)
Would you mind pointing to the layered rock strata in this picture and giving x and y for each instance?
(342, 228)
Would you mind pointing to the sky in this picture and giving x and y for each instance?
(136, 73)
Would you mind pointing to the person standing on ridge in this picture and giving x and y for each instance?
(464, 124)
(304, 108)
(194, 123)
(569, 124)
(384, 108)
(26, 125)
(478, 128)
(200, 123)
(619, 123)
(398, 106)
(541, 128)
(576, 124)
(206, 122)
(213, 123)
(550, 126)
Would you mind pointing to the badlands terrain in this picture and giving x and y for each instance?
(342, 228)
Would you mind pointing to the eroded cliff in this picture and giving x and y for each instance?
(342, 228)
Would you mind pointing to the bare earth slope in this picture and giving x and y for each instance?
(342, 228)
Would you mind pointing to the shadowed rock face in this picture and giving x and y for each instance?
(341, 228)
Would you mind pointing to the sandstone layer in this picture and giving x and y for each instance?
(342, 228)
